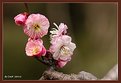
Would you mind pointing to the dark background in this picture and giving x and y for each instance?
(92, 26)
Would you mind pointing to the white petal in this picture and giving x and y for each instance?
(72, 46)
(66, 39)
(56, 55)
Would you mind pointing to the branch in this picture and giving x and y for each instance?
(27, 8)
(55, 75)
(112, 74)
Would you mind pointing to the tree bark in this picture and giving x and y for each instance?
(55, 75)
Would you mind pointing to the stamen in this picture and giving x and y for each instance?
(35, 50)
(36, 27)
(55, 25)
(64, 50)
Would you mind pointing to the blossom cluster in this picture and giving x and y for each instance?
(36, 26)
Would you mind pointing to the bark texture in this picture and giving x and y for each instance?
(55, 75)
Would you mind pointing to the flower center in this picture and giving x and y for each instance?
(35, 51)
(65, 50)
(36, 27)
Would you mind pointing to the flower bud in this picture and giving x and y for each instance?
(61, 64)
(20, 19)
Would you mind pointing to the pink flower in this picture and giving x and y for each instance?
(62, 48)
(61, 30)
(36, 26)
(35, 48)
(20, 19)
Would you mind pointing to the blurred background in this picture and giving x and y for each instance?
(92, 26)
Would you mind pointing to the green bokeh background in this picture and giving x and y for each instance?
(92, 26)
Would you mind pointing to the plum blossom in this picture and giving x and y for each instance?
(61, 30)
(36, 26)
(35, 48)
(62, 48)
(20, 19)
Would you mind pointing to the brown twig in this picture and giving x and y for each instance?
(27, 8)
